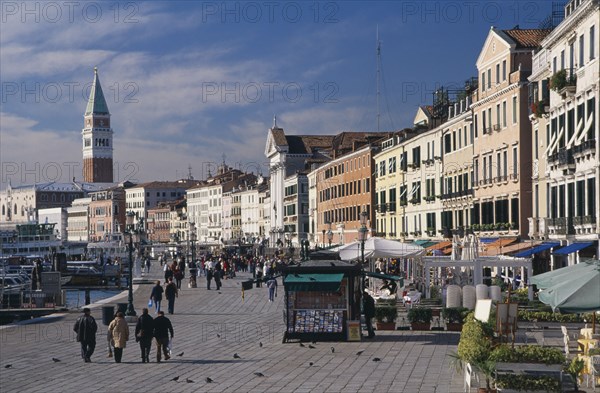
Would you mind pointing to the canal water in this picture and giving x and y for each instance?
(75, 298)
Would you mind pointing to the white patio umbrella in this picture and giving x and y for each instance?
(376, 247)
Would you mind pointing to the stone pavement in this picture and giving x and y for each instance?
(210, 327)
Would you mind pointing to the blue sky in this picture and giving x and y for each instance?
(187, 82)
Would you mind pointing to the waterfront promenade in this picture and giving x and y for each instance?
(210, 327)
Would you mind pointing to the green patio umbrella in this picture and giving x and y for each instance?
(574, 289)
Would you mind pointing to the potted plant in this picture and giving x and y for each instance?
(386, 317)
(420, 318)
(575, 369)
(475, 346)
(454, 317)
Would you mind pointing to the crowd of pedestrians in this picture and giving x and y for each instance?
(213, 267)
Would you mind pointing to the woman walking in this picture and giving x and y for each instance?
(120, 334)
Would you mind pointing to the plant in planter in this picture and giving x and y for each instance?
(475, 345)
(420, 318)
(575, 369)
(454, 317)
(386, 317)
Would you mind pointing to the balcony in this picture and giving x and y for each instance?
(497, 127)
(392, 234)
(588, 146)
(428, 162)
(564, 82)
(584, 224)
(381, 208)
(538, 227)
(561, 226)
(562, 157)
(458, 194)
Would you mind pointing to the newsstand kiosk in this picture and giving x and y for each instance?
(323, 299)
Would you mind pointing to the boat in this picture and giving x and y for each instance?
(90, 273)
(29, 239)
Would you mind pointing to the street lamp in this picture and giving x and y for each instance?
(329, 233)
(131, 232)
(193, 240)
(362, 234)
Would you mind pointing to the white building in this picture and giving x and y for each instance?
(58, 216)
(78, 220)
(571, 151)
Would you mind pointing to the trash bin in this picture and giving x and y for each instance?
(122, 307)
(108, 313)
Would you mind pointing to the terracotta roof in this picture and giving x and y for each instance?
(440, 246)
(527, 38)
(499, 246)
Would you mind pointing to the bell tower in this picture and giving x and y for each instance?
(97, 137)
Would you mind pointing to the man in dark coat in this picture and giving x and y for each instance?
(144, 331)
(162, 329)
(171, 293)
(86, 329)
(369, 309)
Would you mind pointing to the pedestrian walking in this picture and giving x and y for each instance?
(259, 274)
(120, 334)
(156, 295)
(147, 265)
(171, 293)
(86, 329)
(369, 310)
(168, 272)
(162, 329)
(144, 331)
(209, 265)
(178, 274)
(272, 285)
(218, 274)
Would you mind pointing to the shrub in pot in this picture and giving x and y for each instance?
(420, 318)
(386, 317)
(454, 317)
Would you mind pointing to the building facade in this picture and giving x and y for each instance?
(78, 221)
(107, 213)
(571, 55)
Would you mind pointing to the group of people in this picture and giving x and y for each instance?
(147, 328)
(171, 291)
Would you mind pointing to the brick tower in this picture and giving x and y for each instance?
(97, 137)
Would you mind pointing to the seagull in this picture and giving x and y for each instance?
(175, 379)
(302, 345)
(259, 374)
(189, 380)
(376, 360)
(360, 352)
(55, 360)
(8, 366)
(311, 346)
(181, 354)
(332, 349)
(236, 356)
(208, 380)
(260, 344)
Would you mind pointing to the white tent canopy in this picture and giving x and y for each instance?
(376, 247)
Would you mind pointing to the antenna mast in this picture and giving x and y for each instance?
(378, 75)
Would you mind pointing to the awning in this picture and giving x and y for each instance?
(420, 242)
(535, 250)
(439, 246)
(572, 248)
(386, 277)
(318, 282)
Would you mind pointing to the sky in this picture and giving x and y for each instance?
(190, 83)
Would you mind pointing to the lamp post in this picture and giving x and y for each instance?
(193, 240)
(130, 231)
(362, 234)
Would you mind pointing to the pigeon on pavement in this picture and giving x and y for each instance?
(259, 374)
(208, 380)
(8, 366)
(55, 360)
(302, 345)
(332, 349)
(189, 380)
(181, 354)
(175, 379)
(310, 364)
(360, 352)
(376, 360)
(311, 346)
(236, 356)
(260, 344)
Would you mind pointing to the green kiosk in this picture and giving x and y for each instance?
(323, 299)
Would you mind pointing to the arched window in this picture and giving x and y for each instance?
(53, 197)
